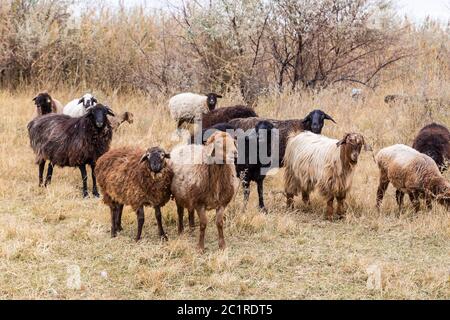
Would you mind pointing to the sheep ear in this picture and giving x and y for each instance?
(343, 141)
(144, 158)
(110, 112)
(328, 117)
(308, 118)
(34, 99)
(218, 96)
(94, 100)
(167, 155)
(81, 100)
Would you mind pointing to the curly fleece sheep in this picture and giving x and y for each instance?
(131, 176)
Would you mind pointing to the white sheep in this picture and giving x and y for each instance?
(201, 184)
(77, 107)
(411, 172)
(188, 106)
(315, 161)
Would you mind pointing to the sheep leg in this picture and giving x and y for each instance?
(113, 209)
(140, 221)
(94, 181)
(219, 224)
(246, 188)
(330, 209)
(180, 212)
(84, 179)
(118, 217)
(305, 198)
(290, 200)
(384, 183)
(48, 179)
(191, 219)
(414, 197)
(203, 221)
(260, 184)
(399, 195)
(340, 210)
(41, 172)
(428, 202)
(162, 234)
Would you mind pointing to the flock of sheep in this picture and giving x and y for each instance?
(204, 173)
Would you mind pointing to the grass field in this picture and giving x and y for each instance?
(47, 233)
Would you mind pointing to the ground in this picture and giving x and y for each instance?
(51, 238)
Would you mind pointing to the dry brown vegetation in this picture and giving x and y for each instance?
(285, 254)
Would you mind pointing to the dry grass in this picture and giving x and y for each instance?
(284, 255)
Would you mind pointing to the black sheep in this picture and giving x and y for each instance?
(71, 142)
(251, 166)
(434, 141)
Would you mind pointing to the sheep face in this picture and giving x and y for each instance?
(314, 121)
(98, 115)
(155, 158)
(222, 147)
(43, 102)
(211, 100)
(88, 101)
(351, 145)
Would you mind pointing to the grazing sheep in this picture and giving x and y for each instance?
(204, 179)
(78, 107)
(46, 104)
(434, 141)
(186, 107)
(411, 172)
(314, 161)
(313, 122)
(222, 115)
(250, 165)
(131, 176)
(121, 118)
(71, 142)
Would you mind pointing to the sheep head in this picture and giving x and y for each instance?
(88, 100)
(314, 121)
(43, 102)
(98, 114)
(221, 147)
(351, 145)
(155, 158)
(211, 100)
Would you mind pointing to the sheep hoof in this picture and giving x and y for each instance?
(164, 237)
(119, 228)
(263, 210)
(85, 194)
(96, 194)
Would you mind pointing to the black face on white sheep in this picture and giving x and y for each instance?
(211, 100)
(43, 101)
(314, 121)
(155, 158)
(88, 101)
(352, 143)
(98, 115)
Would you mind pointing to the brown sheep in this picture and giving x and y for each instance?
(121, 118)
(46, 104)
(201, 184)
(226, 114)
(131, 176)
(412, 172)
